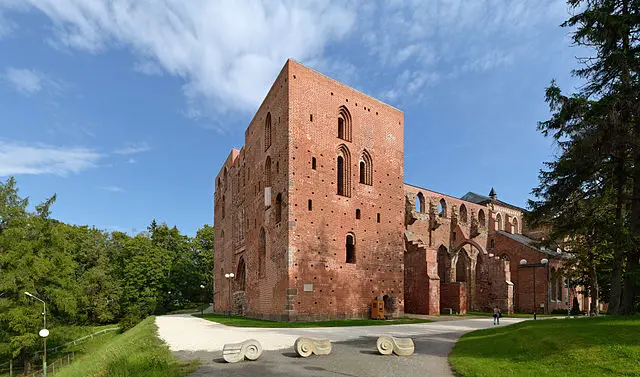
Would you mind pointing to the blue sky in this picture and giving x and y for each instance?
(126, 109)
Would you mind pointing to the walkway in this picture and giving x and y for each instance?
(354, 348)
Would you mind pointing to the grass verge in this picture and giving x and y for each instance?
(238, 321)
(138, 352)
(603, 346)
(514, 315)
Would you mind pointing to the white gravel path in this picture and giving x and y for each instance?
(183, 332)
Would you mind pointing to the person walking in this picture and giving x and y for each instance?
(496, 315)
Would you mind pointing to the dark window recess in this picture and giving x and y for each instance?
(313, 163)
(378, 217)
(358, 214)
(310, 204)
(351, 249)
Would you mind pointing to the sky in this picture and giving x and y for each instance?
(127, 109)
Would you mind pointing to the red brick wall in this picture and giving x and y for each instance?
(317, 237)
(421, 282)
(454, 296)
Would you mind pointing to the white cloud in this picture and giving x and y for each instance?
(112, 188)
(20, 158)
(132, 161)
(228, 53)
(133, 148)
(30, 81)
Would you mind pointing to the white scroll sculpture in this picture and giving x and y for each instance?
(400, 346)
(306, 346)
(233, 353)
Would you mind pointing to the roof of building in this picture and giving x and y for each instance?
(534, 245)
(481, 199)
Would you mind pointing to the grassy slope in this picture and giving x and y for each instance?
(138, 352)
(605, 346)
(250, 322)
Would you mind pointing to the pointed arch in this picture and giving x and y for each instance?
(515, 225)
(420, 203)
(366, 168)
(442, 208)
(343, 170)
(443, 264)
(463, 214)
(481, 218)
(344, 123)
(267, 172)
(241, 274)
(267, 131)
(498, 221)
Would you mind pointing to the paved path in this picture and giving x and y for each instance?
(354, 348)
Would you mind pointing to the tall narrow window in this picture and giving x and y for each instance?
(313, 163)
(515, 226)
(463, 214)
(278, 208)
(442, 208)
(267, 132)
(366, 169)
(358, 214)
(344, 123)
(378, 218)
(498, 222)
(351, 248)
(267, 172)
(310, 205)
(481, 219)
(420, 203)
(343, 171)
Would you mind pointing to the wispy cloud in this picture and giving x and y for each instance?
(112, 188)
(133, 148)
(29, 81)
(22, 158)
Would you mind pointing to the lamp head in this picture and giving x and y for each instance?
(523, 262)
(231, 275)
(544, 261)
(226, 275)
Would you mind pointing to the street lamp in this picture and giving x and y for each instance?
(229, 276)
(202, 298)
(44, 332)
(543, 262)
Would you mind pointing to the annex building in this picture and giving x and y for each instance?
(313, 217)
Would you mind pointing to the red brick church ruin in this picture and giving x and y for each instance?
(315, 221)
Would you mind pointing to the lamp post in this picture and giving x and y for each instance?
(44, 332)
(523, 264)
(202, 298)
(229, 276)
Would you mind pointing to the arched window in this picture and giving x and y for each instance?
(241, 274)
(463, 214)
(351, 248)
(313, 163)
(481, 219)
(443, 264)
(366, 169)
(278, 208)
(357, 213)
(267, 172)
(267, 132)
(498, 222)
(343, 171)
(515, 226)
(420, 203)
(442, 208)
(262, 252)
(344, 124)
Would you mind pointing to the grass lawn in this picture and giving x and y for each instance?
(238, 321)
(602, 346)
(137, 352)
(514, 315)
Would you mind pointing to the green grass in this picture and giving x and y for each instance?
(514, 315)
(602, 346)
(137, 352)
(238, 321)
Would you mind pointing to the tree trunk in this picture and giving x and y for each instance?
(618, 254)
(595, 292)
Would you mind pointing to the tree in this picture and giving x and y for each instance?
(598, 132)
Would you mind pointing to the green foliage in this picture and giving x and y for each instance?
(138, 352)
(590, 194)
(88, 276)
(597, 346)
